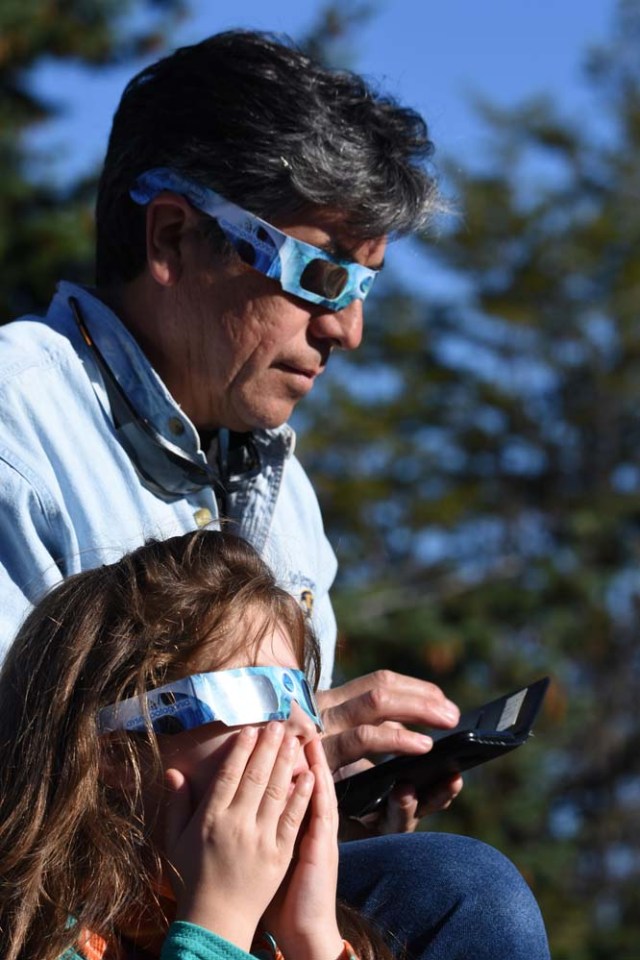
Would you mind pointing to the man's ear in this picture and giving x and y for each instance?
(169, 219)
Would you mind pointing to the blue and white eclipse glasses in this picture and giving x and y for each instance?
(300, 268)
(233, 697)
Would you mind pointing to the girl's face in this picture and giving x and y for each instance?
(198, 753)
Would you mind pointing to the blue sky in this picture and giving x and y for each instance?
(433, 56)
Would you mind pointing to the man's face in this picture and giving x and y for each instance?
(249, 351)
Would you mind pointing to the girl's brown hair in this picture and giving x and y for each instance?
(74, 852)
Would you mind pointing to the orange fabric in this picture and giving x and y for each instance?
(92, 946)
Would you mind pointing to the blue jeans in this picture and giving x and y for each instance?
(443, 897)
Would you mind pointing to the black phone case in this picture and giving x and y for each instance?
(482, 734)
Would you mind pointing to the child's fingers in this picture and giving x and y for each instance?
(259, 768)
(322, 830)
(324, 795)
(324, 805)
(279, 786)
(293, 814)
(224, 786)
(178, 808)
(328, 779)
(315, 752)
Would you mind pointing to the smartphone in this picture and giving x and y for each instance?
(482, 734)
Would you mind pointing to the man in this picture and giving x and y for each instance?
(242, 218)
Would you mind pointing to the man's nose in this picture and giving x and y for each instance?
(299, 724)
(343, 328)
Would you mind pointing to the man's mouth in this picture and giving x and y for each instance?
(309, 372)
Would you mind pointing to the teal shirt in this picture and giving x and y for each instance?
(186, 941)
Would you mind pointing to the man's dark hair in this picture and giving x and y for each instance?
(258, 121)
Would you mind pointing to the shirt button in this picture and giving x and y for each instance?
(203, 516)
(176, 426)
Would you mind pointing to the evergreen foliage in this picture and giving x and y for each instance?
(478, 466)
(46, 230)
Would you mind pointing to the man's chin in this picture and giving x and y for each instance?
(263, 419)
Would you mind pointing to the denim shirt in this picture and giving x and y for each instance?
(71, 498)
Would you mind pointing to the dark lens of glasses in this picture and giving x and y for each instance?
(311, 707)
(170, 725)
(246, 251)
(325, 279)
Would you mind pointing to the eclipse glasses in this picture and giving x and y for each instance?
(301, 269)
(234, 697)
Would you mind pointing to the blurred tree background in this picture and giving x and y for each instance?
(46, 230)
(480, 479)
(477, 459)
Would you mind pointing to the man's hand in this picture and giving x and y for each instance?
(365, 717)
(402, 811)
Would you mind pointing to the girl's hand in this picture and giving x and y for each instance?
(230, 854)
(302, 918)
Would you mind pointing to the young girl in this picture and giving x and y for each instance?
(150, 804)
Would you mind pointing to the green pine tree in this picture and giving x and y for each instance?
(46, 230)
(480, 478)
